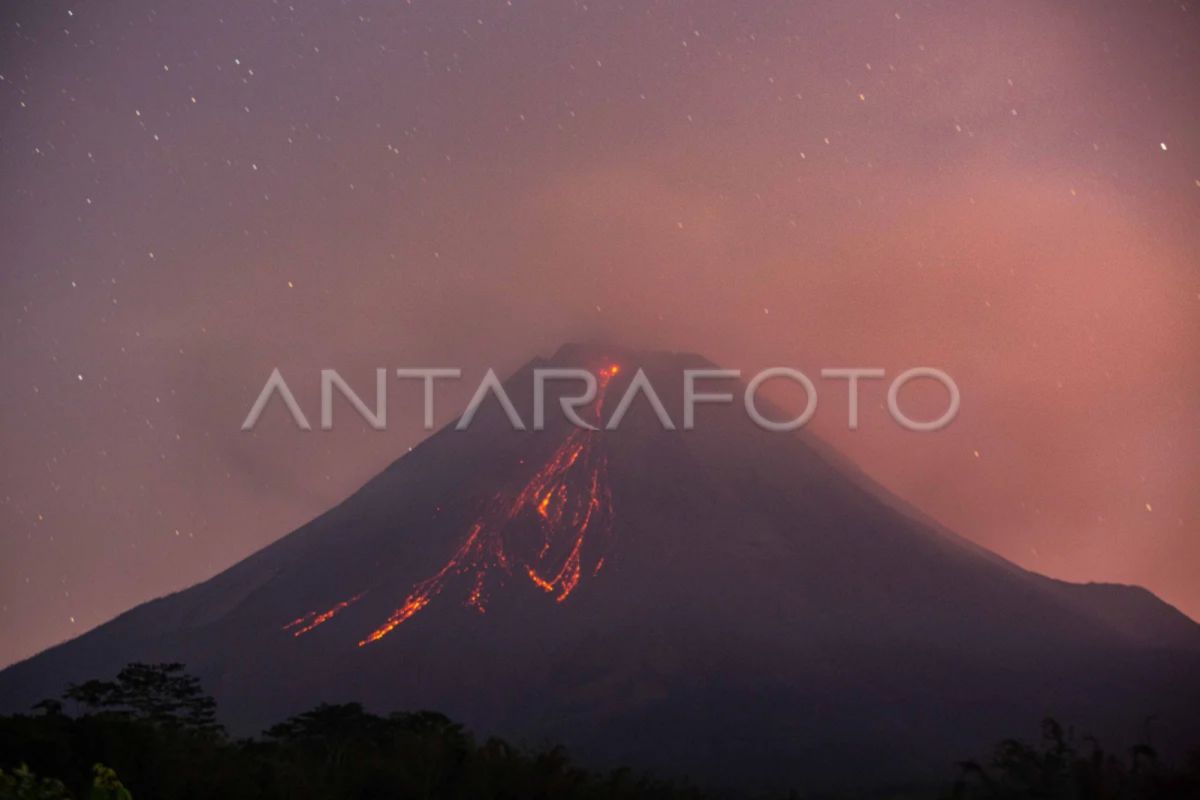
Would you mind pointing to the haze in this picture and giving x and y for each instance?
(196, 193)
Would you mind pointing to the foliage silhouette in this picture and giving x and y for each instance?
(1060, 769)
(157, 729)
(158, 693)
(22, 784)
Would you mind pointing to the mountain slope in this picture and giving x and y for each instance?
(724, 602)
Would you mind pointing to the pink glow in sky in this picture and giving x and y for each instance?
(194, 193)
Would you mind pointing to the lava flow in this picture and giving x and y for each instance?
(550, 532)
(312, 619)
(569, 501)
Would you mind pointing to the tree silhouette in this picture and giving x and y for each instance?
(159, 693)
(156, 727)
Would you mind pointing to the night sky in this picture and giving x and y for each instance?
(196, 192)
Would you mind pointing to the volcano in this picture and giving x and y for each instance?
(726, 603)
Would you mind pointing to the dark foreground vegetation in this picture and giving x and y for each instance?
(152, 734)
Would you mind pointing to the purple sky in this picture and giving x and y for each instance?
(196, 192)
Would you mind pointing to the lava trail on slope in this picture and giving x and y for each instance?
(551, 532)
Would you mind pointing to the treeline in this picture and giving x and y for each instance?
(157, 730)
(152, 734)
(1066, 767)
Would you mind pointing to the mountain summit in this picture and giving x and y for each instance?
(725, 602)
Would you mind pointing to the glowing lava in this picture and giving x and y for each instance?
(312, 619)
(569, 504)
(559, 521)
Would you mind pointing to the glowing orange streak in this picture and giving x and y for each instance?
(547, 494)
(606, 375)
(426, 590)
(569, 574)
(312, 619)
(476, 600)
(551, 475)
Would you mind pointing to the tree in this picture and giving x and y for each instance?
(159, 693)
(22, 784)
(49, 707)
(106, 785)
(93, 695)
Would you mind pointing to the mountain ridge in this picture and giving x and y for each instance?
(757, 575)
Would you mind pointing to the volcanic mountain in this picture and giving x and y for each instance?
(726, 603)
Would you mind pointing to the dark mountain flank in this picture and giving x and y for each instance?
(727, 603)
